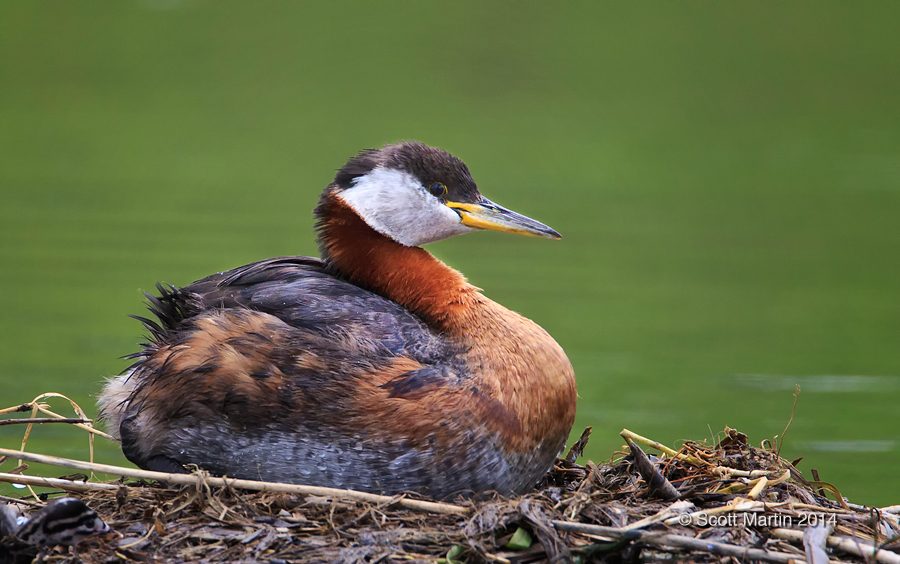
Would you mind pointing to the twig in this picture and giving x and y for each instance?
(626, 434)
(753, 484)
(140, 541)
(16, 409)
(651, 475)
(758, 488)
(819, 508)
(742, 553)
(852, 546)
(737, 504)
(190, 479)
(677, 541)
(22, 501)
(674, 511)
(82, 426)
(814, 540)
(44, 420)
(68, 485)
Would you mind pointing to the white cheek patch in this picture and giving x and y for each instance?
(395, 204)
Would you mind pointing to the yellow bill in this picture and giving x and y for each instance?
(485, 214)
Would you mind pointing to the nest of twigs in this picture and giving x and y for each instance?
(705, 503)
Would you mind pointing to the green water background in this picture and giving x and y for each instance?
(726, 177)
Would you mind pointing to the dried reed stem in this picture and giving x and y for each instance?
(59, 483)
(81, 426)
(27, 420)
(190, 479)
(857, 546)
(16, 409)
(21, 501)
(742, 553)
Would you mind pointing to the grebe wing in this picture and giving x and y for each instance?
(304, 294)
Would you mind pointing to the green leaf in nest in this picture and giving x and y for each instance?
(520, 540)
(454, 553)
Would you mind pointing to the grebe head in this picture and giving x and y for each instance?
(416, 194)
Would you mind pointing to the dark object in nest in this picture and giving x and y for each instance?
(62, 522)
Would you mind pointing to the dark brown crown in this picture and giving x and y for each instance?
(428, 164)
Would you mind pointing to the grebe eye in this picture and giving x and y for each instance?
(437, 189)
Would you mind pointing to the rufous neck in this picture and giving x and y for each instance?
(410, 276)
